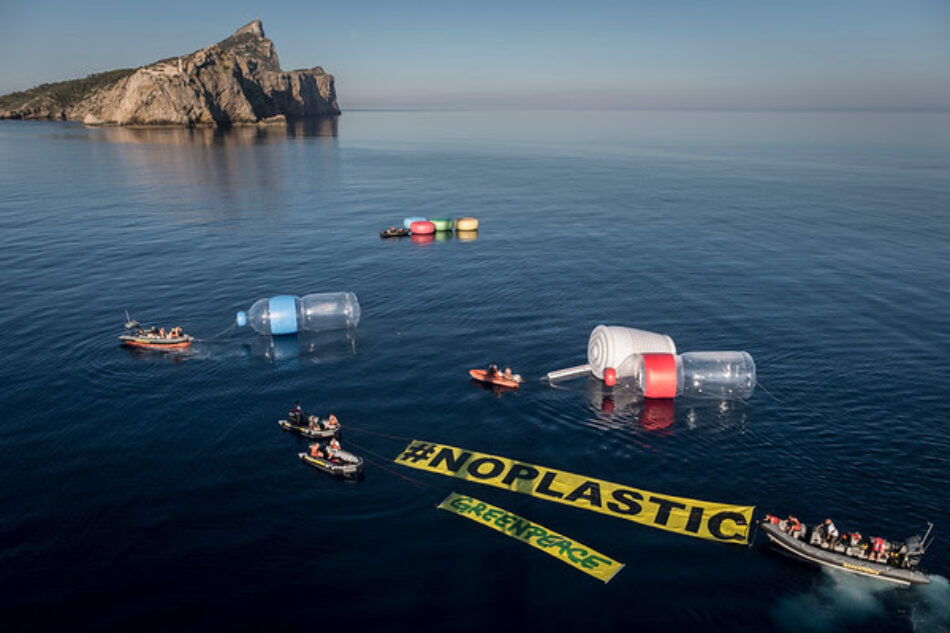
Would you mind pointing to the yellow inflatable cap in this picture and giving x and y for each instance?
(466, 224)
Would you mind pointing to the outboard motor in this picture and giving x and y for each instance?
(915, 550)
(916, 547)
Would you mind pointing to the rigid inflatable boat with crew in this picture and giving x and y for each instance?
(394, 231)
(894, 561)
(495, 377)
(153, 338)
(320, 432)
(341, 464)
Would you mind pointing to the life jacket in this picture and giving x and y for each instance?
(772, 520)
(334, 444)
(796, 524)
(878, 544)
(315, 451)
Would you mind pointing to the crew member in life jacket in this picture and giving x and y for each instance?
(793, 526)
(315, 451)
(332, 423)
(878, 549)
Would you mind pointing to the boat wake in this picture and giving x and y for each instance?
(930, 611)
(837, 600)
(841, 601)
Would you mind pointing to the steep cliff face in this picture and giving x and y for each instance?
(236, 81)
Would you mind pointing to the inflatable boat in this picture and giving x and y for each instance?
(304, 429)
(152, 338)
(343, 463)
(851, 555)
(395, 232)
(482, 375)
(147, 341)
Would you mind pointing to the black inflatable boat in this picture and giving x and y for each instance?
(304, 429)
(900, 564)
(343, 464)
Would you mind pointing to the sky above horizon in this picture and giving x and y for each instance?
(873, 54)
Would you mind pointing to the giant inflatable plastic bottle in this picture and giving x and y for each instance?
(288, 314)
(721, 375)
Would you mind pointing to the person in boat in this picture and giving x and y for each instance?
(793, 526)
(315, 451)
(332, 448)
(878, 550)
(492, 370)
(332, 423)
(161, 333)
(313, 423)
(853, 545)
(830, 532)
(296, 414)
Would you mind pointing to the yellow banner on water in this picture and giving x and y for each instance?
(720, 522)
(564, 549)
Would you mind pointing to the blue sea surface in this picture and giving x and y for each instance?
(154, 491)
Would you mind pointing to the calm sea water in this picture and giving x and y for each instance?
(155, 491)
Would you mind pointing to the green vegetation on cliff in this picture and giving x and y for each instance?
(66, 93)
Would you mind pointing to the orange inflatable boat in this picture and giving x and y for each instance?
(498, 379)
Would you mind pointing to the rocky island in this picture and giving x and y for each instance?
(236, 81)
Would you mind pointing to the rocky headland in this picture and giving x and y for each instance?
(236, 81)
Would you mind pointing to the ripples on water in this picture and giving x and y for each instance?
(152, 490)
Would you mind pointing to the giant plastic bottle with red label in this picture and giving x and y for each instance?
(719, 375)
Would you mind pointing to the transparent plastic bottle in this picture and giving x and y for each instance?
(720, 375)
(288, 314)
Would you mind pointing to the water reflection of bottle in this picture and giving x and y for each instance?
(287, 314)
(721, 375)
(657, 415)
(310, 348)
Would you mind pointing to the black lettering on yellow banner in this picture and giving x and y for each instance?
(720, 522)
(566, 550)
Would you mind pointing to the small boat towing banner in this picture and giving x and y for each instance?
(719, 522)
(564, 549)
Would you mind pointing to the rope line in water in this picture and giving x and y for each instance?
(229, 330)
(762, 387)
(411, 480)
(350, 427)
